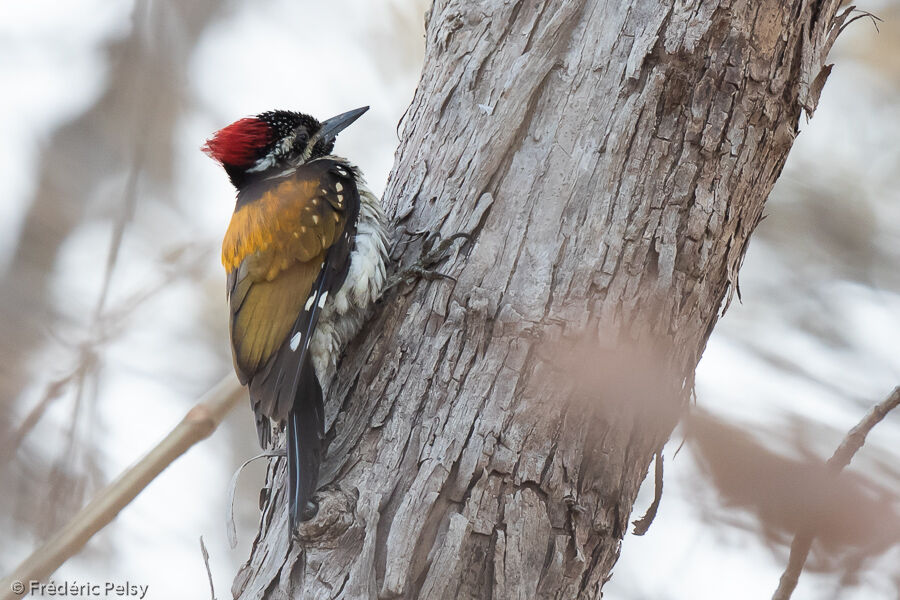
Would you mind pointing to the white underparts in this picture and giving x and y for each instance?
(346, 311)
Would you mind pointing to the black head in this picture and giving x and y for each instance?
(274, 141)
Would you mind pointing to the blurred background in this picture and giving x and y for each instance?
(113, 319)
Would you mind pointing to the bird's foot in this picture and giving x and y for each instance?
(434, 252)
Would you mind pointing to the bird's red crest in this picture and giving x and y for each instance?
(239, 143)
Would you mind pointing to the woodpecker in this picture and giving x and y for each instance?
(305, 256)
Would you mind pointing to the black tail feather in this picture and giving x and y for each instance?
(305, 432)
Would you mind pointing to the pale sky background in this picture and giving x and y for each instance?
(767, 365)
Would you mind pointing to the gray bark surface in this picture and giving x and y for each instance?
(489, 436)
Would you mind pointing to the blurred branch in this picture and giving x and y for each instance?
(185, 261)
(135, 116)
(851, 444)
(85, 404)
(198, 424)
(121, 223)
(54, 390)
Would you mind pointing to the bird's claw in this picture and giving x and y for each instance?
(432, 255)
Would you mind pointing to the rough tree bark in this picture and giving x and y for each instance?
(612, 160)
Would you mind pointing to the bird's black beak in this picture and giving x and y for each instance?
(335, 125)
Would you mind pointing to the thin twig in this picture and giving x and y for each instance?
(862, 15)
(230, 528)
(212, 588)
(857, 436)
(851, 444)
(197, 424)
(642, 525)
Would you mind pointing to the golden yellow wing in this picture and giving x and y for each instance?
(279, 238)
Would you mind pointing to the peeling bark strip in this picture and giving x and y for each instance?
(612, 160)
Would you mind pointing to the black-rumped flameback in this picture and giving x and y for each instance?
(305, 257)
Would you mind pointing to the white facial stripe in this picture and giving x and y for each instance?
(263, 163)
(309, 147)
(269, 160)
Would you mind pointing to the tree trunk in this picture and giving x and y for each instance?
(489, 436)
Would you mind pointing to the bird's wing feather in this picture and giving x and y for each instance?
(288, 244)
